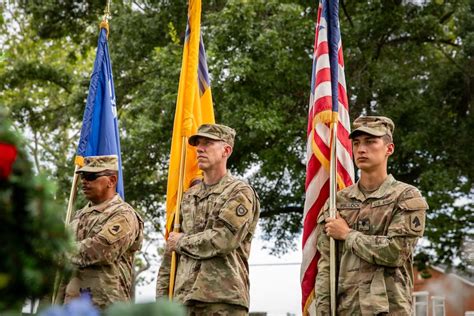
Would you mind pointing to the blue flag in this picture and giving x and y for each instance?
(99, 133)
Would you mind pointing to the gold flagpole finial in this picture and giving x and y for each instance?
(105, 20)
(107, 14)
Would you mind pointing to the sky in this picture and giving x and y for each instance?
(274, 282)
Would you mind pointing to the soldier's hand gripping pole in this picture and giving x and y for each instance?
(176, 227)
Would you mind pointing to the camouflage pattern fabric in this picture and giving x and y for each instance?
(216, 309)
(375, 262)
(107, 235)
(372, 125)
(219, 222)
(215, 132)
(99, 163)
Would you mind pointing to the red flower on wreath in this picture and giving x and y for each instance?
(7, 158)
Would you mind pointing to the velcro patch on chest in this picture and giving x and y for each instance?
(363, 224)
(241, 210)
(382, 202)
(350, 205)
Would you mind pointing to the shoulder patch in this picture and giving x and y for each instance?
(241, 210)
(416, 223)
(237, 211)
(414, 204)
(115, 230)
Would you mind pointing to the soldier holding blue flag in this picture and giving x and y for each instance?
(108, 233)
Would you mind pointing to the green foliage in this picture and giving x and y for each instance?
(33, 235)
(414, 64)
(409, 61)
(162, 307)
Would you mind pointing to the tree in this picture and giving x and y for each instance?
(419, 72)
(410, 61)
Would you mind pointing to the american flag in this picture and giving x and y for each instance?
(328, 106)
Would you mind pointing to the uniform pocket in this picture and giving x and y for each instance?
(378, 293)
(73, 288)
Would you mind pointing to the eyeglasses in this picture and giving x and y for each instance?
(91, 176)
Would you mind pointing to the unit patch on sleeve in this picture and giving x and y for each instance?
(114, 229)
(241, 210)
(415, 223)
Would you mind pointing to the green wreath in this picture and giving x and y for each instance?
(32, 235)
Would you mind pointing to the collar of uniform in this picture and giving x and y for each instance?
(102, 206)
(205, 190)
(355, 193)
(380, 192)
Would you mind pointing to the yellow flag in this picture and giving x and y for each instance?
(193, 108)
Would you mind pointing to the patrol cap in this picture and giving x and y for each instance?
(99, 163)
(215, 132)
(372, 125)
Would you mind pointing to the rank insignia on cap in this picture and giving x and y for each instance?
(241, 210)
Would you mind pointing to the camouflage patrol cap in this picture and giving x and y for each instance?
(372, 125)
(99, 163)
(215, 132)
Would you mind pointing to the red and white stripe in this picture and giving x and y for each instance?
(317, 167)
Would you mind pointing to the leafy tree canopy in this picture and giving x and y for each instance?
(408, 60)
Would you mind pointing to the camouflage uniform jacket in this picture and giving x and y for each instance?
(107, 235)
(218, 222)
(375, 262)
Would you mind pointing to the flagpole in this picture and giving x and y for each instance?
(67, 221)
(73, 193)
(177, 225)
(72, 196)
(332, 214)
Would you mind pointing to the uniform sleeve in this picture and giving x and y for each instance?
(117, 235)
(322, 290)
(163, 279)
(406, 226)
(229, 229)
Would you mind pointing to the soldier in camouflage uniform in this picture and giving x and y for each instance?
(108, 232)
(219, 217)
(378, 224)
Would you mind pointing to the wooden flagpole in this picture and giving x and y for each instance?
(332, 214)
(72, 198)
(177, 225)
(73, 194)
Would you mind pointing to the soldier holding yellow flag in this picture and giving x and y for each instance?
(219, 217)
